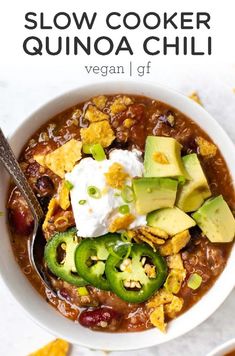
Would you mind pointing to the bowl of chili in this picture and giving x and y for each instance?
(156, 108)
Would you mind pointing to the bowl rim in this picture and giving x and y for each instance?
(227, 346)
(101, 87)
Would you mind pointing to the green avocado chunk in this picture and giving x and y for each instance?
(192, 194)
(216, 220)
(171, 220)
(154, 193)
(163, 158)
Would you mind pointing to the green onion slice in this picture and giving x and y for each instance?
(127, 194)
(82, 291)
(194, 281)
(181, 180)
(125, 237)
(173, 282)
(124, 209)
(113, 250)
(94, 192)
(82, 202)
(97, 152)
(113, 253)
(128, 251)
(86, 148)
(68, 184)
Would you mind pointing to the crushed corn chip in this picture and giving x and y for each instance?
(160, 157)
(121, 223)
(195, 97)
(157, 232)
(150, 235)
(64, 201)
(93, 114)
(157, 318)
(174, 280)
(100, 101)
(116, 176)
(128, 123)
(174, 307)
(161, 297)
(206, 148)
(144, 232)
(63, 159)
(131, 234)
(57, 347)
(150, 270)
(120, 104)
(175, 262)
(53, 204)
(98, 132)
(175, 244)
(40, 159)
(141, 239)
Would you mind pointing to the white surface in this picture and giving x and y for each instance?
(215, 87)
(223, 349)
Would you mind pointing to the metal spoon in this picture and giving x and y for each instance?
(9, 161)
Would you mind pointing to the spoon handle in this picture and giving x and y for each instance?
(9, 161)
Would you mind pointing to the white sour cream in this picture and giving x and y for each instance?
(95, 215)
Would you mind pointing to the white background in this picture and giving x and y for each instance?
(26, 83)
(13, 32)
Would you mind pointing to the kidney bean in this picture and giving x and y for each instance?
(45, 185)
(21, 221)
(100, 317)
(44, 202)
(188, 143)
(64, 294)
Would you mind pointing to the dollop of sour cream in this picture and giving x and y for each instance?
(93, 216)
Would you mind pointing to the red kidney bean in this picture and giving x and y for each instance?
(45, 185)
(188, 142)
(21, 221)
(64, 294)
(44, 202)
(94, 318)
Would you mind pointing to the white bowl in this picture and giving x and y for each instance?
(223, 349)
(28, 297)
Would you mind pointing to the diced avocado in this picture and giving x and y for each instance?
(163, 158)
(216, 220)
(192, 194)
(154, 193)
(172, 220)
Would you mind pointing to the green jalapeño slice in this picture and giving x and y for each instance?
(136, 278)
(59, 257)
(90, 258)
